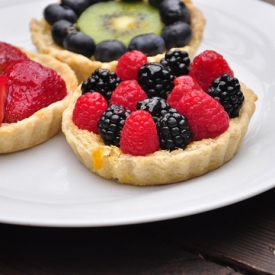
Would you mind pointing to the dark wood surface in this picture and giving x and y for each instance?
(234, 240)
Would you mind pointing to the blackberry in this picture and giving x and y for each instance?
(102, 81)
(227, 90)
(111, 123)
(177, 61)
(173, 131)
(156, 106)
(156, 80)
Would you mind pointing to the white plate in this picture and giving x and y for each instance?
(47, 186)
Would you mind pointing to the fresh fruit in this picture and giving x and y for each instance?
(109, 50)
(177, 61)
(183, 84)
(9, 54)
(173, 131)
(129, 64)
(60, 29)
(178, 34)
(3, 96)
(206, 116)
(77, 6)
(55, 12)
(172, 11)
(119, 20)
(155, 79)
(31, 87)
(150, 43)
(207, 66)
(111, 123)
(227, 90)
(102, 81)
(88, 110)
(128, 93)
(79, 42)
(139, 135)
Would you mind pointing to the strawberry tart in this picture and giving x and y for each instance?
(34, 91)
(152, 123)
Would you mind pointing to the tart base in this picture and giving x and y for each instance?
(43, 124)
(161, 167)
(83, 66)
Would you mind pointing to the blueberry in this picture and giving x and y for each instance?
(79, 42)
(173, 10)
(59, 31)
(78, 6)
(109, 50)
(176, 35)
(55, 12)
(149, 43)
(155, 3)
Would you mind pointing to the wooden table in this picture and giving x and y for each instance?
(234, 240)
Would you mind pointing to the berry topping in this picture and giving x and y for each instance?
(128, 93)
(77, 6)
(177, 61)
(206, 116)
(183, 84)
(173, 131)
(150, 43)
(208, 66)
(60, 30)
(129, 64)
(156, 106)
(88, 110)
(178, 34)
(8, 54)
(227, 90)
(31, 87)
(139, 135)
(109, 50)
(3, 96)
(111, 122)
(156, 80)
(172, 11)
(102, 81)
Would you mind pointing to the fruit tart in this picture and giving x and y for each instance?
(34, 91)
(151, 123)
(94, 34)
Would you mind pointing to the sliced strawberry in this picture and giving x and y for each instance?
(3, 96)
(31, 88)
(9, 54)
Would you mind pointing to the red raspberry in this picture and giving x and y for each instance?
(205, 116)
(139, 135)
(87, 111)
(128, 93)
(9, 54)
(183, 84)
(208, 66)
(129, 64)
(31, 87)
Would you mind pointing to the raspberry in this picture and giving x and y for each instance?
(31, 87)
(111, 123)
(205, 115)
(129, 64)
(128, 93)
(208, 66)
(183, 84)
(139, 135)
(88, 110)
(102, 81)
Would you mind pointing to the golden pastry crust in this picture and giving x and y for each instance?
(161, 167)
(83, 66)
(43, 124)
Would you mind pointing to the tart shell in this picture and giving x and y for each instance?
(46, 122)
(161, 167)
(83, 66)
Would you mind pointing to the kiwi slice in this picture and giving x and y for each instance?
(119, 20)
